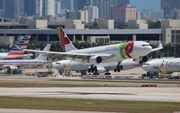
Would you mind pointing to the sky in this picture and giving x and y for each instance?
(146, 4)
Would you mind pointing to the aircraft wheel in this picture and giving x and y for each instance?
(92, 69)
(115, 70)
(118, 70)
(60, 72)
(96, 73)
(107, 73)
(95, 69)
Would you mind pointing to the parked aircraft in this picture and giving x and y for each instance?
(170, 65)
(17, 51)
(101, 68)
(102, 54)
(14, 64)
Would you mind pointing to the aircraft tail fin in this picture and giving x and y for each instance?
(43, 56)
(65, 41)
(17, 50)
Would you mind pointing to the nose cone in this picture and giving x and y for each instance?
(54, 65)
(146, 50)
(146, 67)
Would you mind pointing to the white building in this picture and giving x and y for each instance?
(137, 24)
(93, 12)
(77, 15)
(50, 7)
(45, 7)
(74, 24)
(37, 24)
(170, 31)
(106, 24)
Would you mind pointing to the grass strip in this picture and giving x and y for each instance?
(18, 85)
(88, 105)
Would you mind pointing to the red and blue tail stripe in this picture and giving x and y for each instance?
(17, 50)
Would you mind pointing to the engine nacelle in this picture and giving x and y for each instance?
(100, 70)
(95, 60)
(13, 67)
(144, 58)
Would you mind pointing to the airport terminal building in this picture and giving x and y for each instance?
(91, 35)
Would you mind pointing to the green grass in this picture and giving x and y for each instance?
(88, 105)
(18, 85)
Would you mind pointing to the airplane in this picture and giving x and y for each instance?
(101, 54)
(15, 64)
(170, 65)
(101, 68)
(17, 51)
(98, 68)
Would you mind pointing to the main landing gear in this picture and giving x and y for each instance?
(118, 67)
(93, 69)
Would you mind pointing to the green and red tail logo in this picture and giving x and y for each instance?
(63, 38)
(126, 49)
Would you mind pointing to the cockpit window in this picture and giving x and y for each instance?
(146, 64)
(145, 45)
(58, 63)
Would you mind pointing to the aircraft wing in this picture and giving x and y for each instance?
(158, 48)
(83, 56)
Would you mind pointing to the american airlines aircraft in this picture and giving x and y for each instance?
(14, 64)
(101, 68)
(102, 54)
(170, 65)
(17, 51)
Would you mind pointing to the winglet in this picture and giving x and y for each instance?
(159, 48)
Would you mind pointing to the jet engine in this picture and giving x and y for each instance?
(13, 67)
(95, 60)
(143, 59)
(101, 69)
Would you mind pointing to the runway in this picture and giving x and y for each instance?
(105, 93)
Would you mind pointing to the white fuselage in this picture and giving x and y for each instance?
(21, 63)
(169, 65)
(75, 66)
(118, 52)
(5, 56)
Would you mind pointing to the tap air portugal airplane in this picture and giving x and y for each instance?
(14, 64)
(100, 68)
(170, 65)
(101, 54)
(17, 51)
(97, 68)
